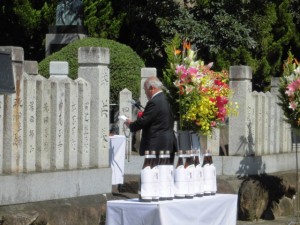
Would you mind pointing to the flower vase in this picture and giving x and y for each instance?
(211, 142)
(188, 140)
(183, 140)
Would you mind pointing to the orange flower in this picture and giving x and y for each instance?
(186, 45)
(177, 51)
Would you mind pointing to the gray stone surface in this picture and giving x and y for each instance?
(241, 139)
(61, 39)
(93, 67)
(31, 67)
(59, 68)
(31, 187)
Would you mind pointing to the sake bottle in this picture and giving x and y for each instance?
(170, 195)
(180, 177)
(145, 179)
(208, 175)
(155, 170)
(199, 189)
(214, 175)
(163, 177)
(190, 170)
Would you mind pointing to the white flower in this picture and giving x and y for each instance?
(297, 70)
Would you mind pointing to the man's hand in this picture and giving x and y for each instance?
(127, 122)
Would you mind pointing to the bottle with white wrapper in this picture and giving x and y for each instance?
(190, 170)
(155, 170)
(146, 179)
(214, 175)
(170, 176)
(199, 182)
(180, 177)
(164, 182)
(209, 175)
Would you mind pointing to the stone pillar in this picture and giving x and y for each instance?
(30, 94)
(43, 121)
(71, 121)
(31, 67)
(241, 127)
(13, 116)
(274, 86)
(285, 132)
(59, 72)
(93, 67)
(125, 108)
(84, 123)
(145, 73)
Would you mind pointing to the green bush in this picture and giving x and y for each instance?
(125, 65)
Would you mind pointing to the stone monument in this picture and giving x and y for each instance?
(7, 84)
(68, 25)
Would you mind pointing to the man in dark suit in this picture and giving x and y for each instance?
(157, 121)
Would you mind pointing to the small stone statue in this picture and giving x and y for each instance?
(69, 12)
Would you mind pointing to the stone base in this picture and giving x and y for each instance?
(34, 187)
(67, 29)
(56, 41)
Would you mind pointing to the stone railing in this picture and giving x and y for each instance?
(55, 129)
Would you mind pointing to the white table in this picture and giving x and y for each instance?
(117, 145)
(220, 209)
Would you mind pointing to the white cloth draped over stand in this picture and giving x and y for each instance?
(220, 209)
(117, 145)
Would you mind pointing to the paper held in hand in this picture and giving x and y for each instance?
(122, 117)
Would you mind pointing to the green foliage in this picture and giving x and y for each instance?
(99, 19)
(125, 65)
(169, 75)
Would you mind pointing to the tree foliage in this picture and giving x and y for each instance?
(258, 34)
(99, 19)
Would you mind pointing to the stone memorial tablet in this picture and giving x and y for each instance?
(7, 84)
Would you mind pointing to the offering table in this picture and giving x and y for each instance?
(220, 209)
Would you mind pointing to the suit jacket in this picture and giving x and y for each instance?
(157, 126)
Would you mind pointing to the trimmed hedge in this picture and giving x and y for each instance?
(125, 65)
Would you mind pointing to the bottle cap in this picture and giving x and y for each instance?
(180, 152)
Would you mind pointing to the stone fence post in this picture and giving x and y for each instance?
(146, 73)
(11, 145)
(241, 127)
(93, 67)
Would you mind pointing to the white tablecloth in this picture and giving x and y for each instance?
(220, 209)
(117, 144)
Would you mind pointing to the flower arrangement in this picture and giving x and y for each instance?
(289, 91)
(203, 93)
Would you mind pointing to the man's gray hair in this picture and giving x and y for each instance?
(154, 82)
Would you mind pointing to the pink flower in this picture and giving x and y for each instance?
(293, 105)
(222, 113)
(213, 123)
(292, 87)
(221, 101)
(189, 88)
(218, 83)
(193, 71)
